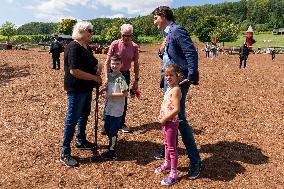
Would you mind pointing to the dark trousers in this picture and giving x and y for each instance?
(207, 54)
(243, 59)
(111, 125)
(126, 75)
(55, 62)
(273, 56)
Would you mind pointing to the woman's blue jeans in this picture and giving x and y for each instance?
(79, 108)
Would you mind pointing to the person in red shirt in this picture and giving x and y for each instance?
(128, 51)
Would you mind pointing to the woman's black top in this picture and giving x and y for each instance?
(78, 57)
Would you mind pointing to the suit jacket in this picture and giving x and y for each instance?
(182, 51)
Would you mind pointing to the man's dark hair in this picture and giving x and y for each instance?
(164, 11)
(115, 58)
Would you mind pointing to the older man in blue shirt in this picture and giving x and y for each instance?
(179, 49)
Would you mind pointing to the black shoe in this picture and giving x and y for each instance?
(104, 132)
(68, 161)
(194, 171)
(109, 155)
(160, 156)
(84, 145)
(125, 129)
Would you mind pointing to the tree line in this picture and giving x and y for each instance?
(224, 20)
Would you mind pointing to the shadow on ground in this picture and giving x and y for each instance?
(142, 129)
(8, 72)
(224, 164)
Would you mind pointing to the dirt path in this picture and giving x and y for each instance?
(237, 117)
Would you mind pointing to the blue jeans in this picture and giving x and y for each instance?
(111, 126)
(185, 129)
(79, 108)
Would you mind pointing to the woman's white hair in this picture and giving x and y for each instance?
(126, 27)
(79, 27)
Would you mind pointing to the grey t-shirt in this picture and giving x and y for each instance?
(115, 105)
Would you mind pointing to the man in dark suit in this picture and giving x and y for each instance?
(244, 52)
(179, 49)
(55, 49)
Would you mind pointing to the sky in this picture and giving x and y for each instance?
(20, 12)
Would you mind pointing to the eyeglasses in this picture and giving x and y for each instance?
(124, 35)
(90, 30)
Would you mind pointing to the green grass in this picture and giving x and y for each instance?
(276, 40)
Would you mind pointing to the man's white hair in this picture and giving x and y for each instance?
(126, 27)
(79, 27)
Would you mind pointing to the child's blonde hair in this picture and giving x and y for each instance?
(175, 68)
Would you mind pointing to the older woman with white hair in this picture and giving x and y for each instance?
(81, 76)
(128, 51)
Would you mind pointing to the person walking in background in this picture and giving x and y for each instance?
(117, 91)
(244, 52)
(55, 49)
(169, 120)
(82, 74)
(273, 52)
(180, 50)
(128, 51)
(213, 49)
(207, 50)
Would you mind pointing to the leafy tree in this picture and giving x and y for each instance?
(226, 31)
(35, 28)
(205, 27)
(66, 26)
(8, 29)
(110, 34)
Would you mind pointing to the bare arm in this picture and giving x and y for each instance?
(123, 94)
(176, 96)
(84, 75)
(136, 74)
(107, 67)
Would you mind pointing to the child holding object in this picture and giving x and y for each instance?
(169, 120)
(116, 92)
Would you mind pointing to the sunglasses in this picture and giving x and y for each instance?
(90, 31)
(123, 35)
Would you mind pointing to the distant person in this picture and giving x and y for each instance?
(169, 120)
(116, 92)
(273, 53)
(128, 51)
(55, 49)
(213, 49)
(81, 75)
(180, 49)
(207, 50)
(244, 52)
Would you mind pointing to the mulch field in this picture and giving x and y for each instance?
(237, 116)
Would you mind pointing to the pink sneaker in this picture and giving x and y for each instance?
(162, 169)
(167, 181)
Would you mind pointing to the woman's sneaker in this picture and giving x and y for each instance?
(167, 181)
(68, 161)
(83, 145)
(162, 169)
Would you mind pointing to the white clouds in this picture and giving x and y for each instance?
(113, 16)
(140, 7)
(55, 10)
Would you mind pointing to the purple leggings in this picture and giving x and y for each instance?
(170, 130)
